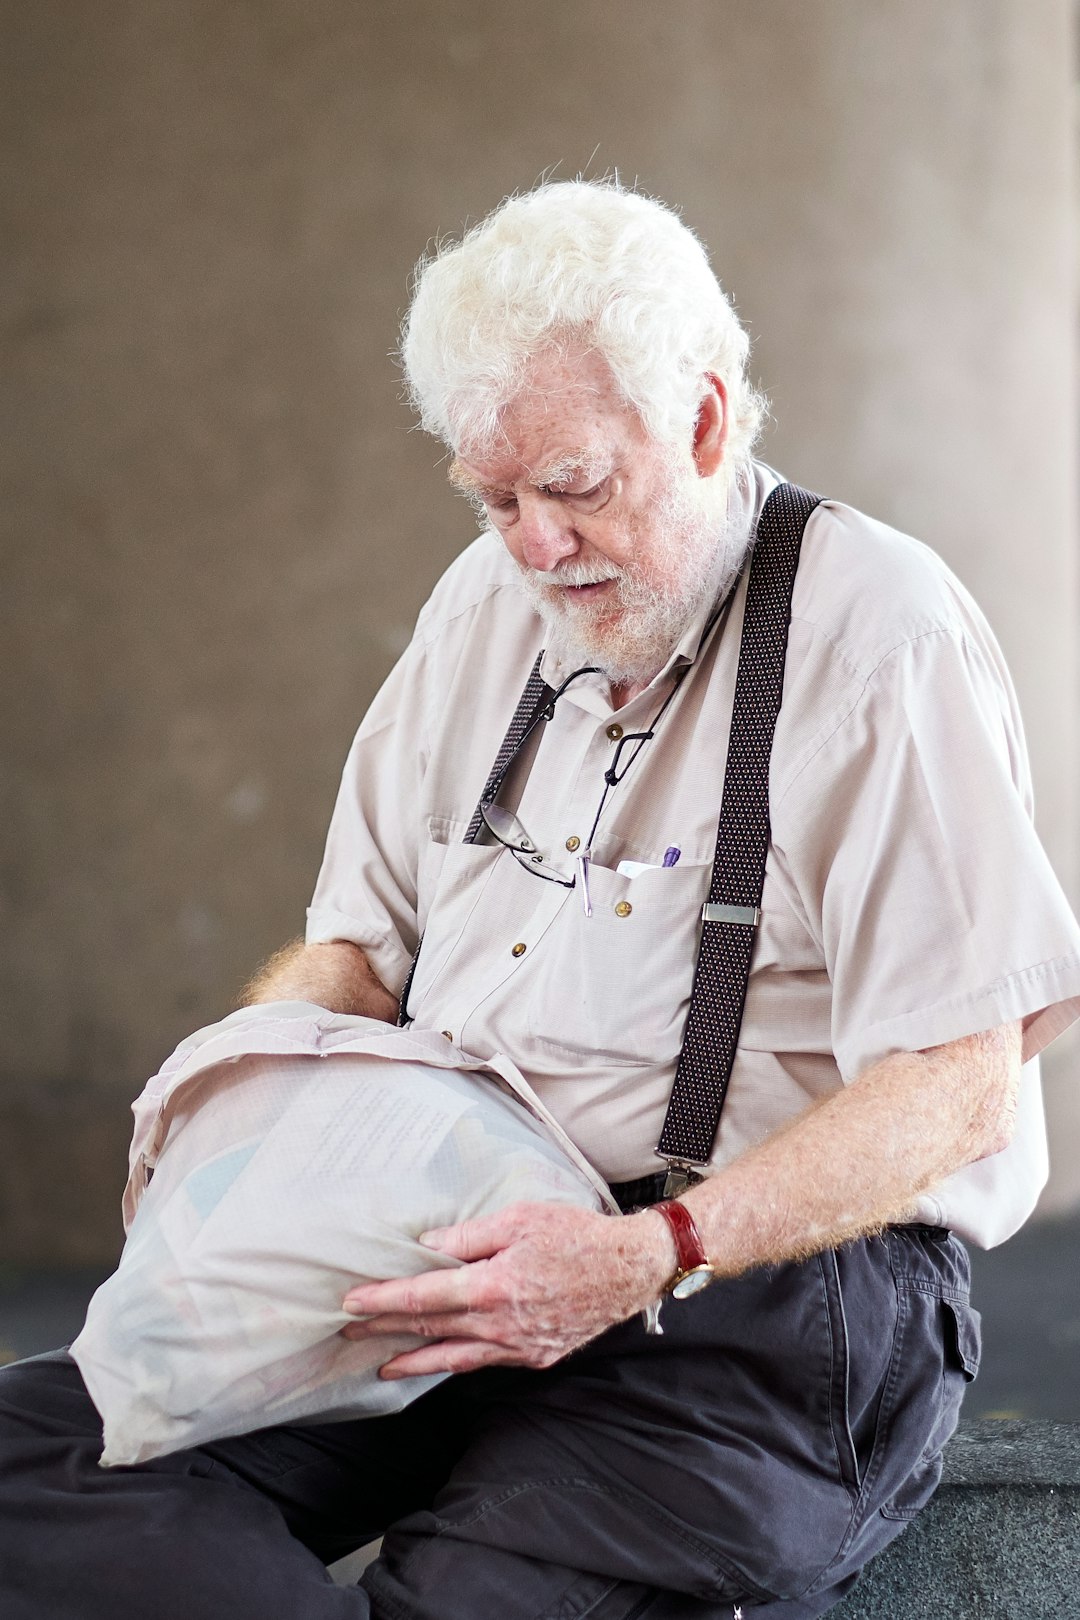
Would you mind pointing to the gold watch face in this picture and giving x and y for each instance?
(692, 1282)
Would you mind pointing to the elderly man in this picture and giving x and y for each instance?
(845, 991)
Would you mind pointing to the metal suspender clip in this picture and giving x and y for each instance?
(748, 916)
(679, 1177)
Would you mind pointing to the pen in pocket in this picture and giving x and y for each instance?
(671, 855)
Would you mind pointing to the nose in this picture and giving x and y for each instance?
(545, 531)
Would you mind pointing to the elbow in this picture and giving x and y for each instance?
(996, 1124)
(986, 1086)
(997, 1135)
(999, 1129)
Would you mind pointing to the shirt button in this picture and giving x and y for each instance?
(517, 950)
(573, 843)
(614, 732)
(623, 909)
(448, 1035)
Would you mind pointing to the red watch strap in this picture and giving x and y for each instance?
(689, 1249)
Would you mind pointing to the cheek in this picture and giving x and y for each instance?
(643, 547)
(615, 540)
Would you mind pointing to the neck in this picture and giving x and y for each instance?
(626, 692)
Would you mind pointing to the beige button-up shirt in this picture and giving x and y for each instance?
(907, 900)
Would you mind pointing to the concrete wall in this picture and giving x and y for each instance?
(219, 527)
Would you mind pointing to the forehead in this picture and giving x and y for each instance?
(569, 415)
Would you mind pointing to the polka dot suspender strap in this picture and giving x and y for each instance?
(731, 913)
(536, 695)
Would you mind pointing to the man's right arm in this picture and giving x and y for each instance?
(336, 975)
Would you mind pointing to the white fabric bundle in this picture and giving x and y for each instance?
(295, 1153)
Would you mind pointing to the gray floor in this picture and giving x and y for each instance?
(1028, 1292)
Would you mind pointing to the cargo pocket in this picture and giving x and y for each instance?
(967, 1336)
(961, 1345)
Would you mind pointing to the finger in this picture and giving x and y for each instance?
(432, 1291)
(478, 1239)
(459, 1324)
(448, 1355)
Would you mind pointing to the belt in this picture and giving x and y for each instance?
(630, 1195)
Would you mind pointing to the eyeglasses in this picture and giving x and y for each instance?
(502, 824)
(507, 829)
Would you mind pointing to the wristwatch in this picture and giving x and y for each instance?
(693, 1271)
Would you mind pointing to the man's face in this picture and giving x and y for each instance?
(612, 532)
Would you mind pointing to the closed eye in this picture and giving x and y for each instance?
(501, 509)
(501, 506)
(592, 499)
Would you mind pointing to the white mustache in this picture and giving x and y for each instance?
(574, 573)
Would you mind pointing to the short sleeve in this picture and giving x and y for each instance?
(908, 835)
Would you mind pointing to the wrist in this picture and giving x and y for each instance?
(693, 1269)
(659, 1249)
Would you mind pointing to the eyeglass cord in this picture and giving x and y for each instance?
(612, 776)
(611, 779)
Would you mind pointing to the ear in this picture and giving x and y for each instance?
(711, 428)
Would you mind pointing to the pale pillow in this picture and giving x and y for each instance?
(278, 1182)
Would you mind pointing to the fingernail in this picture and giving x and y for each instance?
(433, 1240)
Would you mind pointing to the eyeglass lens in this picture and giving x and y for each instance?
(507, 828)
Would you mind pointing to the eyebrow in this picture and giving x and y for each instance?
(575, 464)
(463, 480)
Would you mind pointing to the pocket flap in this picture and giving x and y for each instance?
(968, 1335)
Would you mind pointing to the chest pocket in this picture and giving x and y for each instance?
(616, 985)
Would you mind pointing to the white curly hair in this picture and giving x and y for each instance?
(586, 264)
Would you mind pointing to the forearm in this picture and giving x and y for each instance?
(539, 1280)
(860, 1160)
(336, 975)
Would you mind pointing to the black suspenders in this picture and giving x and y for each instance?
(730, 915)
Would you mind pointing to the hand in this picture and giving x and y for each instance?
(540, 1280)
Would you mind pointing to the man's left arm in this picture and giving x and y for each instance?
(860, 1159)
(540, 1279)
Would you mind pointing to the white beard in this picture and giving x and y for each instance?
(632, 631)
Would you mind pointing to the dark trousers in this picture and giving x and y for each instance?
(781, 1431)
